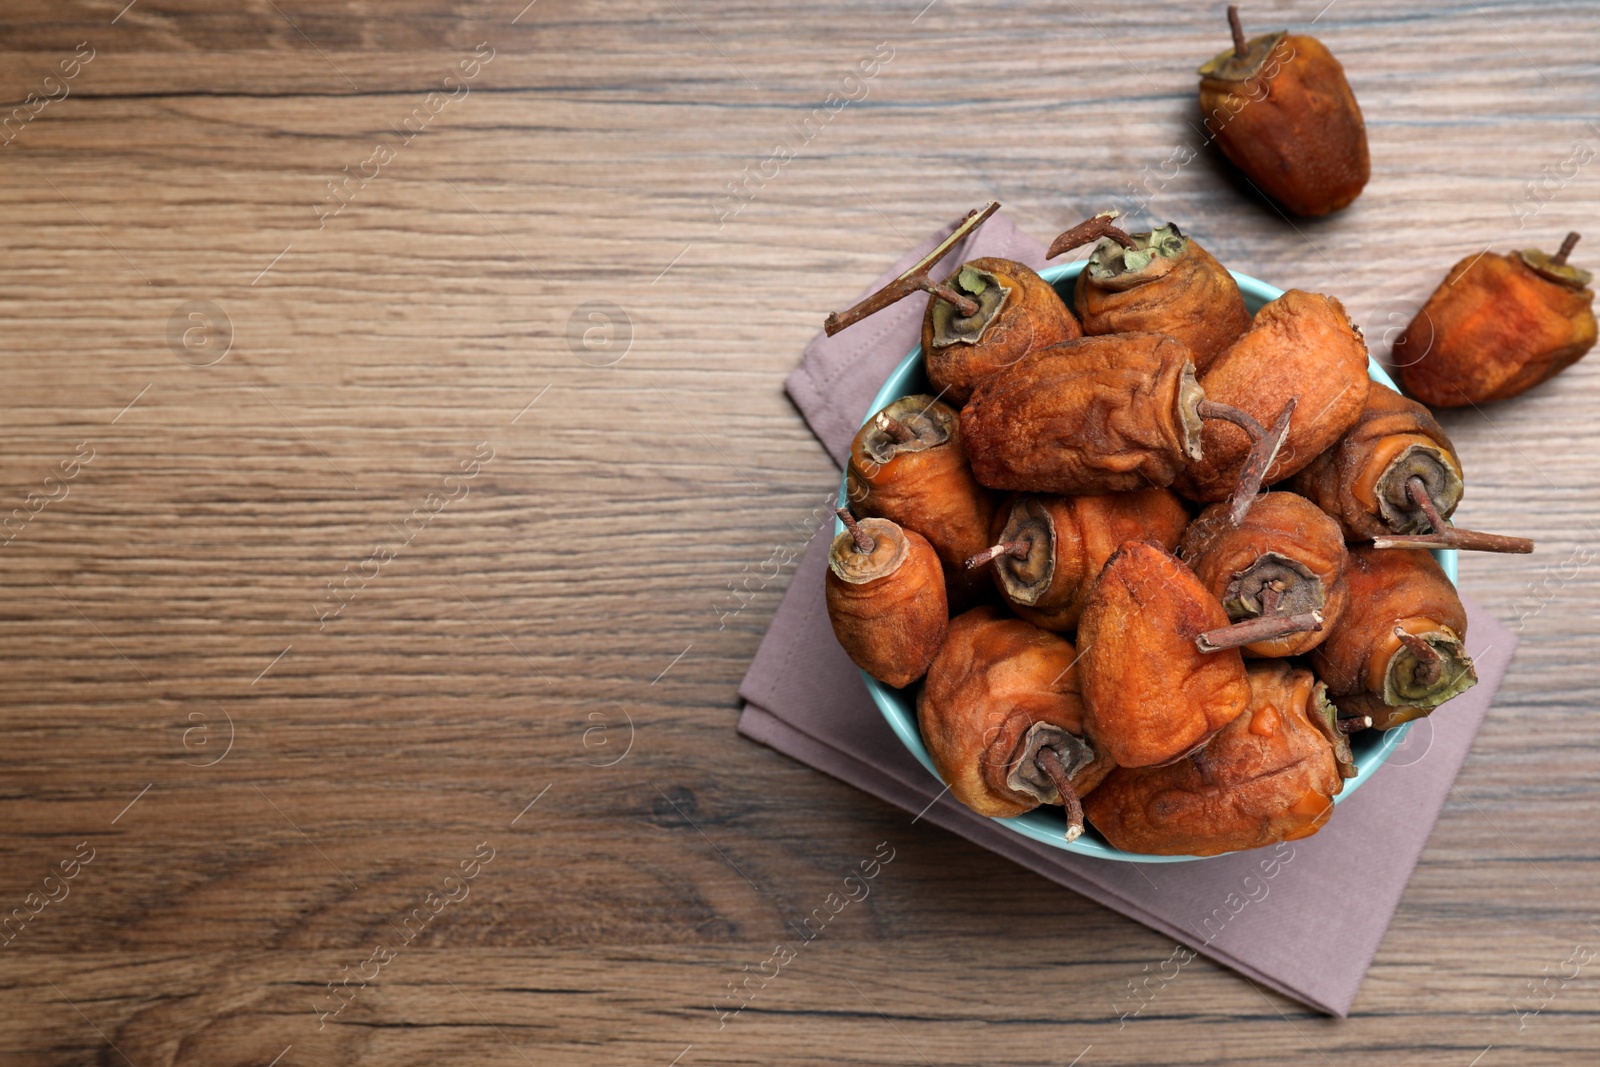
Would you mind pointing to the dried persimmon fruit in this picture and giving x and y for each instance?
(1156, 282)
(1107, 414)
(1395, 477)
(1287, 557)
(1281, 110)
(907, 464)
(1301, 346)
(1402, 636)
(1496, 326)
(1269, 775)
(886, 599)
(1002, 718)
(1050, 549)
(1150, 695)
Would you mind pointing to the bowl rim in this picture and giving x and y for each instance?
(900, 712)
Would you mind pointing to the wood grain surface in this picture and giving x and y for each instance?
(276, 400)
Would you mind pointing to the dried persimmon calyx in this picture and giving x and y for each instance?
(869, 550)
(984, 289)
(1028, 539)
(1427, 668)
(1325, 717)
(1412, 458)
(1116, 267)
(1556, 268)
(910, 424)
(1245, 61)
(1191, 427)
(1274, 585)
(1026, 776)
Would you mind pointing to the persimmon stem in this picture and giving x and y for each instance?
(1091, 230)
(1442, 535)
(964, 303)
(1428, 657)
(1213, 409)
(1269, 596)
(1240, 49)
(1260, 628)
(1417, 490)
(1014, 549)
(864, 542)
(1355, 724)
(1560, 258)
(916, 279)
(896, 429)
(1050, 763)
(1262, 453)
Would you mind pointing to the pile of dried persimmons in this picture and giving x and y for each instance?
(1067, 543)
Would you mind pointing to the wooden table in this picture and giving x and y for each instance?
(418, 444)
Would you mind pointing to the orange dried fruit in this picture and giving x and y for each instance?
(1281, 110)
(1496, 326)
(886, 599)
(1051, 548)
(1156, 282)
(1402, 635)
(1286, 558)
(1002, 718)
(1268, 775)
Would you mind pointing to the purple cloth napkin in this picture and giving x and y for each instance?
(1265, 913)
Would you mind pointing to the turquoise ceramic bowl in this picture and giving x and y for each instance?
(899, 706)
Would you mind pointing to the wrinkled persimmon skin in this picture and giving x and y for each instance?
(1281, 523)
(1329, 480)
(1293, 127)
(1492, 329)
(996, 677)
(1300, 345)
(891, 626)
(1267, 776)
(1095, 415)
(1150, 696)
(1196, 301)
(1032, 318)
(926, 488)
(1387, 587)
(1086, 531)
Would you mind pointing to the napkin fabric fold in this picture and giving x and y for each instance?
(1264, 913)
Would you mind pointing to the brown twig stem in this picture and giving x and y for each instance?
(1262, 453)
(864, 542)
(1560, 258)
(916, 279)
(1091, 230)
(1442, 535)
(1355, 724)
(1239, 47)
(896, 429)
(1428, 657)
(1212, 409)
(1014, 549)
(1050, 763)
(1261, 628)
